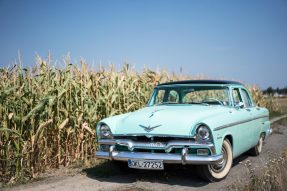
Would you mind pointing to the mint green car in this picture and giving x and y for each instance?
(197, 122)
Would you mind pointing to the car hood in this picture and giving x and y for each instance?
(163, 120)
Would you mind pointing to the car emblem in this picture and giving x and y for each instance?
(152, 113)
(149, 128)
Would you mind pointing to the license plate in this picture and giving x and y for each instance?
(145, 164)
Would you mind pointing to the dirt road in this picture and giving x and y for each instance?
(109, 177)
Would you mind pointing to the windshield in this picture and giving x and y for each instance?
(205, 95)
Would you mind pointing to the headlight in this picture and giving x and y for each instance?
(203, 133)
(105, 132)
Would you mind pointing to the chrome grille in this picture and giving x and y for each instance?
(147, 144)
(153, 139)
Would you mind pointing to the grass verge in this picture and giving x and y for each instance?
(273, 177)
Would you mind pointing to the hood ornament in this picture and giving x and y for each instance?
(153, 112)
(149, 128)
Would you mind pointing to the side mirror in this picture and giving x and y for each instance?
(239, 105)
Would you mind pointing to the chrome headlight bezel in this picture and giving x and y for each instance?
(104, 131)
(203, 133)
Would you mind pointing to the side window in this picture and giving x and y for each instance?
(159, 97)
(246, 98)
(236, 96)
(189, 97)
(173, 96)
(166, 96)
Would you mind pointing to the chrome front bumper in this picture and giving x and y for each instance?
(176, 158)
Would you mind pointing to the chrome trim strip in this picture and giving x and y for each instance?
(239, 122)
(165, 157)
(153, 135)
(167, 146)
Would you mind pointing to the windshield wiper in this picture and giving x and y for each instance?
(195, 102)
(166, 103)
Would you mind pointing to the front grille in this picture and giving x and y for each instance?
(163, 140)
(174, 150)
(154, 139)
(121, 148)
(150, 150)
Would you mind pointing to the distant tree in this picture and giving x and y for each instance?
(277, 90)
(269, 90)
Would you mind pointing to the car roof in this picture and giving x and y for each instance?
(219, 82)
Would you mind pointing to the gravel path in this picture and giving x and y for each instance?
(110, 177)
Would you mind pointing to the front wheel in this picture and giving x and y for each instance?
(218, 171)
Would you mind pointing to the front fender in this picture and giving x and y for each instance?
(113, 121)
(219, 138)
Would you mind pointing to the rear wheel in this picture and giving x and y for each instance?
(255, 151)
(218, 171)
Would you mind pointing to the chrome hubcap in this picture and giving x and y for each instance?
(220, 165)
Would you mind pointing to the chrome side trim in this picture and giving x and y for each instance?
(153, 135)
(182, 158)
(167, 146)
(239, 122)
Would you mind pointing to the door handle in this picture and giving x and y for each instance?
(248, 109)
(257, 108)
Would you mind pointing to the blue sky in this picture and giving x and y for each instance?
(243, 40)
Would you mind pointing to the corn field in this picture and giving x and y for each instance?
(48, 115)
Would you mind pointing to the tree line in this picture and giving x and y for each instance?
(271, 90)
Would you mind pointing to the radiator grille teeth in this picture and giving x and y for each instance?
(153, 144)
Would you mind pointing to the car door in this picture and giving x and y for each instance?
(255, 124)
(242, 117)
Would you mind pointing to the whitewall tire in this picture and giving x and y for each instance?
(255, 151)
(218, 171)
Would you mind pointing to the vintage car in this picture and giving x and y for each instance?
(206, 123)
